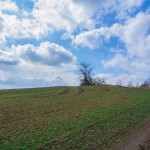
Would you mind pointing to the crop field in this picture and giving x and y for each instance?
(70, 117)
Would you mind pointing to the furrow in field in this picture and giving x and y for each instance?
(105, 133)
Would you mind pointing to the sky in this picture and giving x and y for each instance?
(43, 41)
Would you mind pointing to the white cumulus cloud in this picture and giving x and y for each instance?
(47, 53)
(8, 5)
(63, 15)
(31, 66)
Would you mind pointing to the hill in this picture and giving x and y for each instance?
(70, 117)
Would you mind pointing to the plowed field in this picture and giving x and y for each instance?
(70, 117)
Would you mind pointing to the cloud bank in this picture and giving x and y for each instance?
(38, 43)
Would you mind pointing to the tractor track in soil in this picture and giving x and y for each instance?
(139, 140)
(83, 133)
(65, 90)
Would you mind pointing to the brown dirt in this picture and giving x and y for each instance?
(80, 91)
(82, 135)
(139, 140)
(66, 90)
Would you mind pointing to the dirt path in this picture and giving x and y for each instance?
(80, 91)
(65, 90)
(139, 140)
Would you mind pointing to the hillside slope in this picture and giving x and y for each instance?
(70, 117)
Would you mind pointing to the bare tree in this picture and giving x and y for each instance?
(130, 84)
(146, 83)
(85, 73)
(119, 83)
(99, 81)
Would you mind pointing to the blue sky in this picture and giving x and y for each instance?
(42, 41)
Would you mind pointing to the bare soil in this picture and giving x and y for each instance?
(139, 140)
(66, 90)
(81, 90)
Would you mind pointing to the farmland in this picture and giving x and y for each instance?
(70, 117)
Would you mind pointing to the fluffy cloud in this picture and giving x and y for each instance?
(32, 75)
(125, 79)
(134, 34)
(30, 66)
(63, 15)
(94, 38)
(97, 4)
(8, 5)
(137, 69)
(89, 39)
(123, 9)
(1, 24)
(2, 38)
(21, 28)
(133, 65)
(118, 61)
(130, 4)
(49, 16)
(3, 75)
(126, 7)
(46, 17)
(8, 58)
(82, 22)
(47, 53)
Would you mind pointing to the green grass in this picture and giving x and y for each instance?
(56, 118)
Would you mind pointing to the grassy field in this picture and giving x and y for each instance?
(70, 117)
